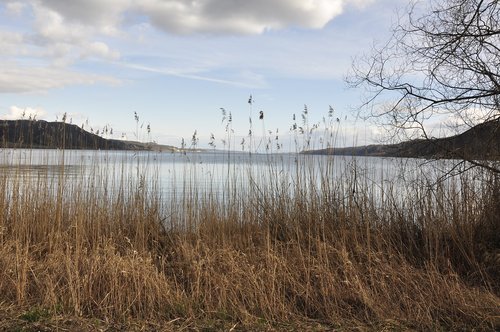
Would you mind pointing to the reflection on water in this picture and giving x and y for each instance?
(36, 171)
(216, 173)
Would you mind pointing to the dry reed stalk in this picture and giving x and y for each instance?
(324, 255)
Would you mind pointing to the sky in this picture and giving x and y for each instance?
(176, 63)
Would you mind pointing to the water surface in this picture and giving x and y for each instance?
(216, 173)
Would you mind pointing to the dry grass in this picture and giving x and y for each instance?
(74, 257)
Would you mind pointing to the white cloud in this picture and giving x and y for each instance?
(101, 50)
(101, 14)
(203, 16)
(16, 79)
(239, 17)
(15, 113)
(15, 8)
(51, 26)
(39, 60)
(11, 43)
(65, 32)
(67, 40)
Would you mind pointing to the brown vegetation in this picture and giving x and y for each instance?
(76, 257)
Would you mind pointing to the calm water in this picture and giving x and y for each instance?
(176, 174)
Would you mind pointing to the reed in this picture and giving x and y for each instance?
(91, 252)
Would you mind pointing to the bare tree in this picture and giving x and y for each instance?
(443, 60)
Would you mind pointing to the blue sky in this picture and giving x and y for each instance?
(177, 62)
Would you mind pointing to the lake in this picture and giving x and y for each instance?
(219, 174)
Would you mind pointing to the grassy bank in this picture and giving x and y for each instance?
(319, 256)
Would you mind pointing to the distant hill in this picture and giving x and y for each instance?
(479, 142)
(41, 134)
